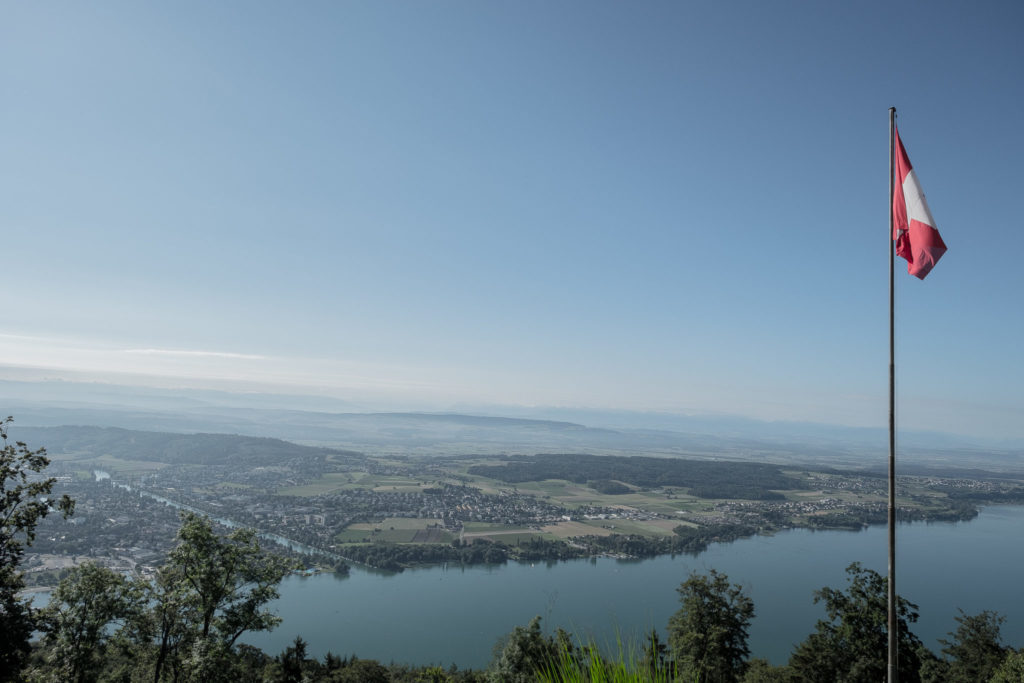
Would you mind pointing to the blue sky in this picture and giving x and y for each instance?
(670, 206)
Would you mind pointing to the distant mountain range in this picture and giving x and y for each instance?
(519, 430)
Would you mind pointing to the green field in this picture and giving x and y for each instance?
(485, 527)
(396, 530)
(125, 467)
(656, 527)
(514, 537)
(329, 483)
(509, 535)
(340, 481)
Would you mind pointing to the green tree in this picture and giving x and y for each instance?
(975, 650)
(850, 646)
(292, 665)
(1011, 670)
(166, 623)
(433, 674)
(361, 671)
(24, 500)
(933, 669)
(526, 651)
(655, 655)
(708, 635)
(761, 671)
(79, 619)
(211, 591)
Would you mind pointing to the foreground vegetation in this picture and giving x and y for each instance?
(184, 624)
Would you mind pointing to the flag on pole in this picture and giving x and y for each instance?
(917, 239)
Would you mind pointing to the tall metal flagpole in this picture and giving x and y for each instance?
(893, 667)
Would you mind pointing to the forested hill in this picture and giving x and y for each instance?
(198, 449)
(706, 479)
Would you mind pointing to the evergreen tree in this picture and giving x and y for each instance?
(290, 664)
(523, 653)
(655, 654)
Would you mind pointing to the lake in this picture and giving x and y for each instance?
(441, 615)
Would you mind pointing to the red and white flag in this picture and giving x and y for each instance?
(917, 239)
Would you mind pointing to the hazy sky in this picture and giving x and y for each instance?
(676, 206)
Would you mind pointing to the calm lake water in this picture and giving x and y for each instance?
(443, 615)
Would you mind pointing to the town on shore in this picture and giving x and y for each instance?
(334, 508)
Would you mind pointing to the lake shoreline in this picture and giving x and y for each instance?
(380, 616)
